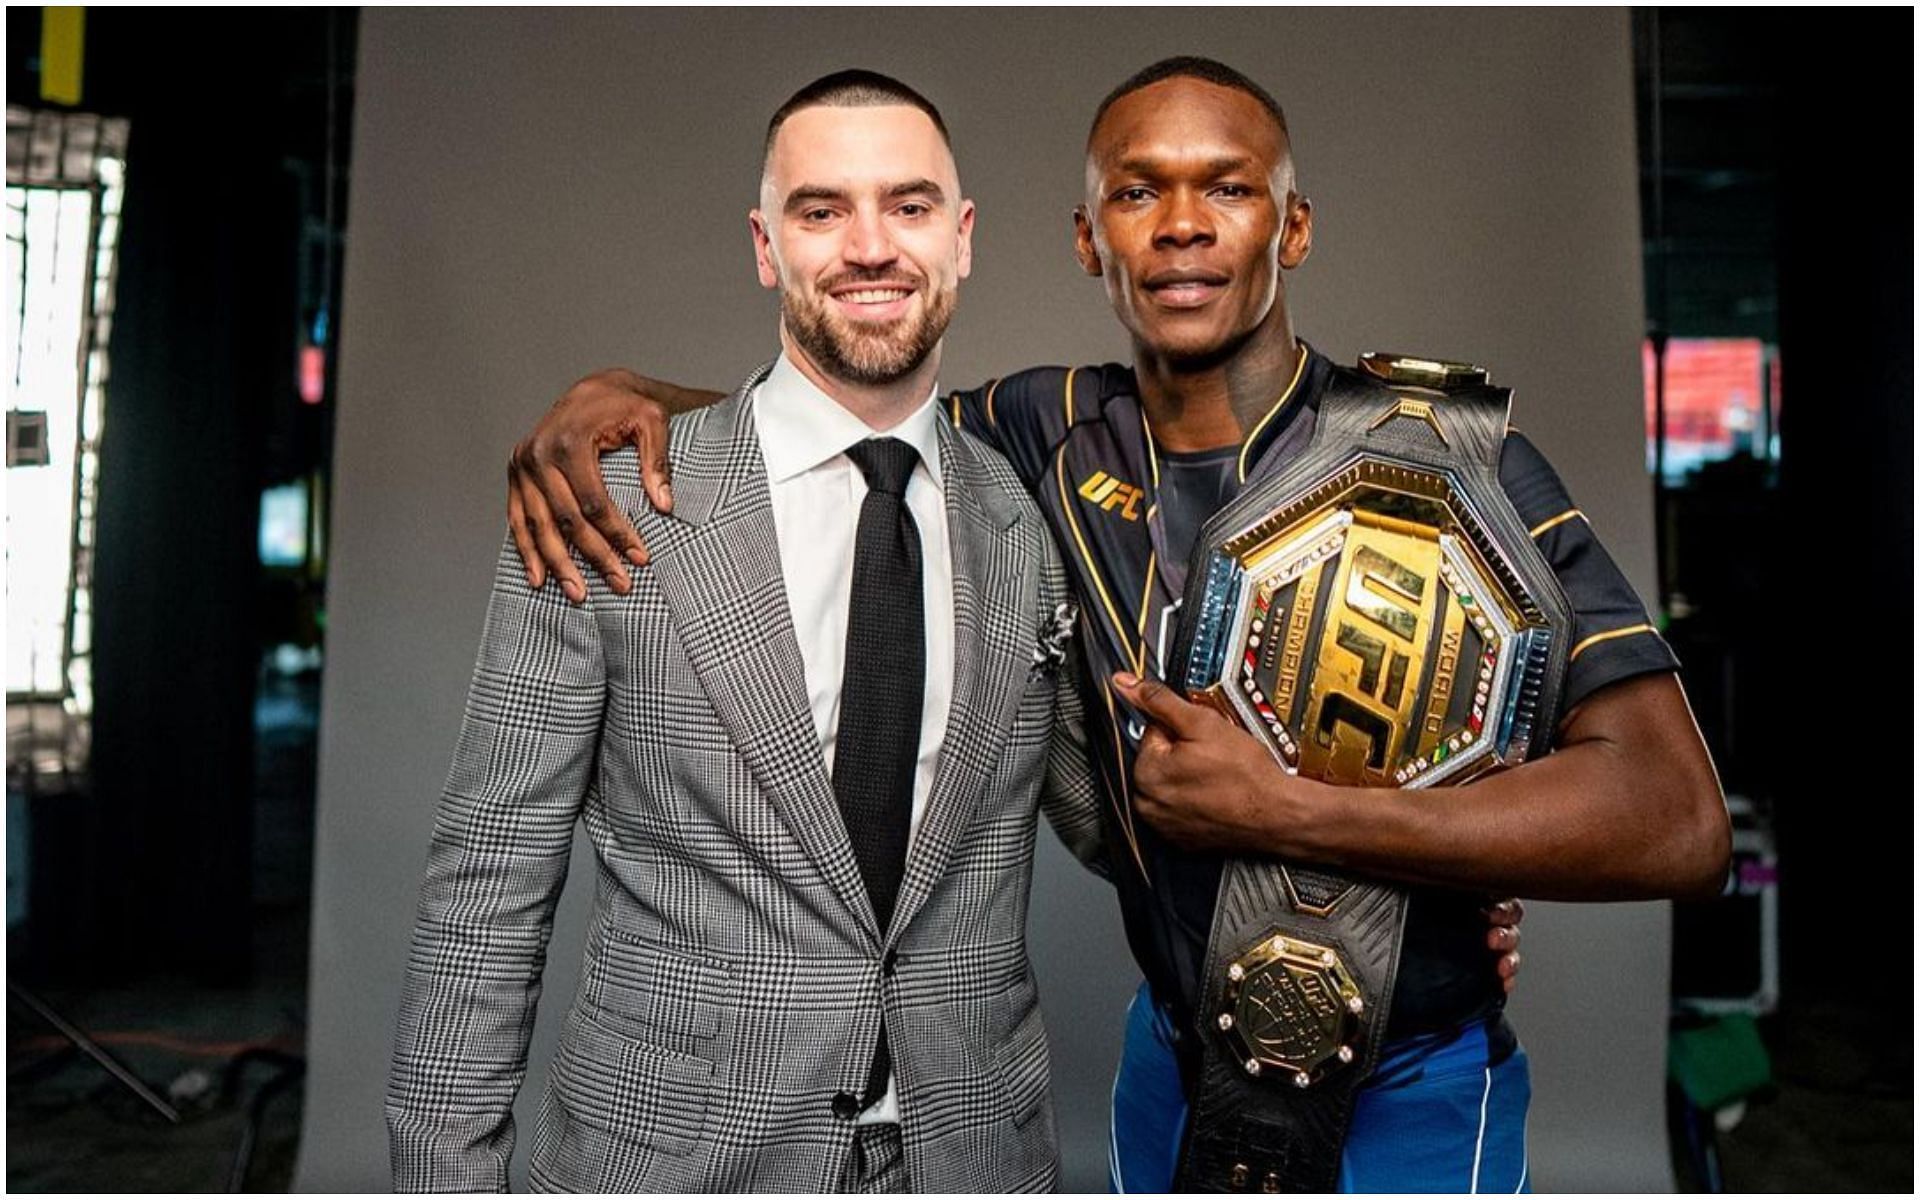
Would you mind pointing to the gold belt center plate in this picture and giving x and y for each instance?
(1291, 1008)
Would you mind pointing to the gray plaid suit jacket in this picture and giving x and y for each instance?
(734, 979)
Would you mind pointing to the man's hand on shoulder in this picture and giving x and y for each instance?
(555, 495)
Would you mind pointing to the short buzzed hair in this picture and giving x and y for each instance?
(854, 88)
(1190, 66)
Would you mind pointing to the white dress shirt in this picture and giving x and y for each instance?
(817, 492)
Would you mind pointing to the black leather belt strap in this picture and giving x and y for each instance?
(1263, 1133)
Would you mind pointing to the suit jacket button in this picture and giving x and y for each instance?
(846, 1106)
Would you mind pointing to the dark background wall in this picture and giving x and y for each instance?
(1846, 334)
(150, 868)
(539, 193)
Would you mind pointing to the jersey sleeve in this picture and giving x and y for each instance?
(1021, 416)
(1613, 638)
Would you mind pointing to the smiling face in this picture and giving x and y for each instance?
(862, 228)
(1191, 216)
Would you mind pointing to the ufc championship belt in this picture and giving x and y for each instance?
(1376, 615)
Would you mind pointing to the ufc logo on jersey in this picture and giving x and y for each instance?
(1109, 493)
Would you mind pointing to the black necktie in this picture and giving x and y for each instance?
(883, 690)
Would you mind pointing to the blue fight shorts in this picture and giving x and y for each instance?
(1435, 1116)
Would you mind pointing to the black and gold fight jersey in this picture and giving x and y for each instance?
(1125, 515)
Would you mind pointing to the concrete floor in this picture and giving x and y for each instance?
(1839, 1116)
(73, 1128)
(70, 1128)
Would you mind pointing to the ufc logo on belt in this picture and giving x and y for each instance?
(1359, 722)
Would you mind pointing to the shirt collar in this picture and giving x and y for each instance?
(801, 426)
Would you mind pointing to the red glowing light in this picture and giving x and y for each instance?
(312, 372)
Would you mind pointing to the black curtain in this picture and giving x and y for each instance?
(202, 351)
(1841, 596)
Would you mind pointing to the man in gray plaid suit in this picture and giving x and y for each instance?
(749, 1015)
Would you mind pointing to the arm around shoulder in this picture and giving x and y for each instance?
(555, 495)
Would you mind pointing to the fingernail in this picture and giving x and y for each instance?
(621, 583)
(635, 557)
(666, 494)
(1127, 679)
(575, 592)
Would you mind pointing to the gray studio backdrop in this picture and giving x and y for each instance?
(536, 194)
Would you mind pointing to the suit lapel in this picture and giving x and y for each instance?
(717, 560)
(991, 654)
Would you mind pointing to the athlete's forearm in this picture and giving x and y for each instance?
(673, 397)
(1629, 808)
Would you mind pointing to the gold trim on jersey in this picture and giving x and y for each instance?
(1550, 522)
(1123, 803)
(1133, 649)
(1608, 636)
(1299, 368)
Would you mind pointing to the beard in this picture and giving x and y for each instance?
(866, 353)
